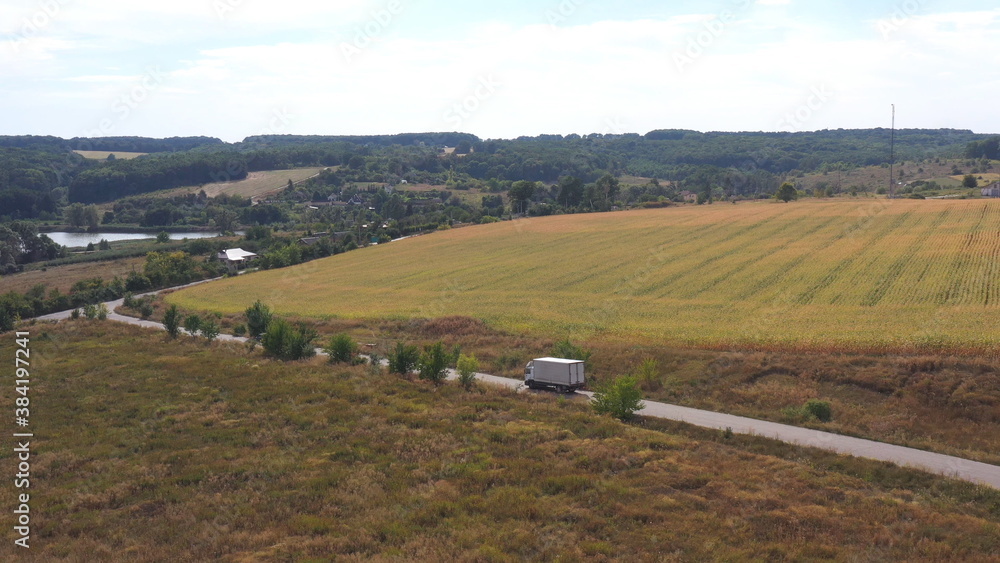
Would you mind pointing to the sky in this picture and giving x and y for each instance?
(236, 68)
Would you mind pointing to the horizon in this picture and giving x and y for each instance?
(231, 69)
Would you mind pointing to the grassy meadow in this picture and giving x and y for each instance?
(103, 155)
(155, 450)
(861, 275)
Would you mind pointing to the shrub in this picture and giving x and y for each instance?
(90, 311)
(163, 237)
(403, 359)
(210, 329)
(285, 342)
(192, 324)
(75, 314)
(467, 368)
(649, 374)
(342, 349)
(239, 330)
(172, 321)
(433, 363)
(568, 350)
(146, 309)
(102, 312)
(258, 318)
(820, 410)
(620, 398)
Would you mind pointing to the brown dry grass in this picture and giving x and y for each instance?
(155, 450)
(257, 184)
(63, 277)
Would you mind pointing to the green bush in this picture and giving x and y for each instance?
(568, 350)
(467, 368)
(433, 363)
(192, 324)
(210, 329)
(285, 342)
(620, 398)
(342, 349)
(90, 311)
(102, 312)
(649, 374)
(258, 318)
(403, 359)
(820, 410)
(240, 330)
(172, 321)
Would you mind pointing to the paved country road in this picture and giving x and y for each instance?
(949, 466)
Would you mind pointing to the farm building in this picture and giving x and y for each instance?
(236, 258)
(689, 197)
(992, 190)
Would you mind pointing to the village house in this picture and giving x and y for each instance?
(992, 190)
(689, 197)
(236, 258)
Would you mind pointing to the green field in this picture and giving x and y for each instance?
(866, 273)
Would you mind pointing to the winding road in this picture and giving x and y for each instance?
(940, 464)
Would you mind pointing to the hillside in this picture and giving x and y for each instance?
(155, 450)
(859, 273)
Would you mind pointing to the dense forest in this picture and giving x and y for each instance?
(38, 174)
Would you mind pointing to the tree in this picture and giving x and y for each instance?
(192, 324)
(570, 191)
(970, 181)
(787, 192)
(649, 374)
(819, 409)
(620, 398)
(433, 363)
(521, 192)
(162, 237)
(467, 367)
(607, 189)
(285, 342)
(342, 349)
(258, 318)
(210, 329)
(172, 321)
(403, 358)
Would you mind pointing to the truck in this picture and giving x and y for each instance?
(554, 373)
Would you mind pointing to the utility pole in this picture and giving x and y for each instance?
(892, 156)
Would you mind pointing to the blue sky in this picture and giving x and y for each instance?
(233, 68)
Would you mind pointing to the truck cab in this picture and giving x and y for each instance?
(560, 374)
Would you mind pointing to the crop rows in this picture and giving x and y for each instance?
(874, 272)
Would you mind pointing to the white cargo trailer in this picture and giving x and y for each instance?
(554, 373)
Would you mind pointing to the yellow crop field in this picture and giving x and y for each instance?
(103, 155)
(256, 184)
(868, 273)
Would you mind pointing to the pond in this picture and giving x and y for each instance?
(83, 239)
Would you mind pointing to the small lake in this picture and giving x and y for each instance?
(83, 239)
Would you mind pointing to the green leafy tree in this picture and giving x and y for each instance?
(342, 349)
(286, 342)
(258, 318)
(621, 398)
(163, 237)
(970, 181)
(192, 324)
(648, 374)
(433, 363)
(210, 329)
(172, 321)
(787, 192)
(403, 358)
(521, 193)
(467, 367)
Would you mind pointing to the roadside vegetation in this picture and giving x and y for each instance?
(260, 459)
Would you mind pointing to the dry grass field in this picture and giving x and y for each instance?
(859, 275)
(63, 277)
(157, 450)
(103, 155)
(257, 184)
